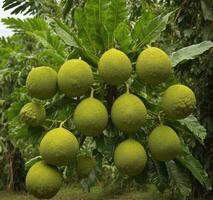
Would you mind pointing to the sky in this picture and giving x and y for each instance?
(4, 31)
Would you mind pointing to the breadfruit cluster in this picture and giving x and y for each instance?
(33, 113)
(43, 181)
(59, 147)
(84, 165)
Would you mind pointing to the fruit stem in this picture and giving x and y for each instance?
(148, 46)
(62, 123)
(159, 119)
(79, 58)
(127, 87)
(92, 92)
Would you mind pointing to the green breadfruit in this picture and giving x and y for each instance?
(164, 143)
(90, 117)
(43, 181)
(42, 82)
(128, 113)
(178, 101)
(153, 66)
(130, 157)
(58, 147)
(33, 113)
(85, 164)
(75, 77)
(114, 67)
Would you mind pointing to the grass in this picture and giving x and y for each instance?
(76, 193)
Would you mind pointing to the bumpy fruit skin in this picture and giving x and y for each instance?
(58, 147)
(153, 66)
(33, 113)
(84, 165)
(42, 82)
(43, 181)
(178, 101)
(128, 113)
(164, 143)
(90, 117)
(75, 77)
(130, 157)
(114, 67)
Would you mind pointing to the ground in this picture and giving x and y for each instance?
(76, 193)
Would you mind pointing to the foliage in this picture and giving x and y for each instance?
(94, 27)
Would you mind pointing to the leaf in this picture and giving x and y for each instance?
(194, 127)
(30, 24)
(117, 12)
(31, 162)
(89, 25)
(20, 6)
(97, 21)
(151, 30)
(207, 9)
(195, 167)
(190, 52)
(50, 41)
(179, 180)
(63, 31)
(158, 174)
(146, 17)
(122, 35)
(67, 7)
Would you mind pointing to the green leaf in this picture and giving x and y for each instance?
(67, 7)
(207, 9)
(179, 180)
(31, 162)
(20, 6)
(158, 174)
(122, 35)
(151, 30)
(194, 127)
(116, 13)
(195, 167)
(97, 21)
(30, 24)
(50, 41)
(144, 20)
(63, 31)
(89, 25)
(190, 52)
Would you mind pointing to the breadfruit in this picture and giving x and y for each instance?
(33, 113)
(84, 165)
(75, 77)
(114, 67)
(153, 66)
(43, 181)
(128, 113)
(130, 157)
(90, 117)
(164, 144)
(42, 82)
(58, 147)
(178, 101)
